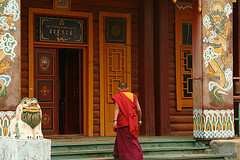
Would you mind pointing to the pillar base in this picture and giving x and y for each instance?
(211, 124)
(16, 149)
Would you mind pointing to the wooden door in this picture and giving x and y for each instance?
(183, 45)
(115, 62)
(73, 89)
(46, 87)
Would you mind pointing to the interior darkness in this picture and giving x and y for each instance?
(70, 91)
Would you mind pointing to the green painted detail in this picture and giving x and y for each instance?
(202, 124)
(17, 132)
(219, 125)
(229, 124)
(214, 123)
(217, 97)
(1, 132)
(3, 4)
(224, 123)
(4, 92)
(32, 119)
(208, 125)
(5, 128)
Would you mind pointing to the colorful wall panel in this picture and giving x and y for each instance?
(9, 54)
(213, 105)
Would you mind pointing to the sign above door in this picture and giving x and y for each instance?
(60, 29)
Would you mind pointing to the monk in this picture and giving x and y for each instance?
(127, 119)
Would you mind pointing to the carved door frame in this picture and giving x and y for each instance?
(87, 59)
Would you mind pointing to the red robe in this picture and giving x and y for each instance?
(127, 115)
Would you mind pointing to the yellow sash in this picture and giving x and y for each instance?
(129, 95)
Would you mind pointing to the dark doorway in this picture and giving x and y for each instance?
(70, 91)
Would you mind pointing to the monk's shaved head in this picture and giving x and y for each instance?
(123, 85)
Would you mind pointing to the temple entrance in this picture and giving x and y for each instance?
(45, 70)
(70, 91)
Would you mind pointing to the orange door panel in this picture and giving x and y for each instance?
(115, 63)
(183, 45)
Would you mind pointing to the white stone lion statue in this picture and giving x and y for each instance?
(26, 123)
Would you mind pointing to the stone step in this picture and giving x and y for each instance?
(110, 145)
(171, 157)
(81, 154)
(189, 157)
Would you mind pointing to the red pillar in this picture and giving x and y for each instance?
(161, 68)
(146, 67)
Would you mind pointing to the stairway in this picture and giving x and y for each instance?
(186, 149)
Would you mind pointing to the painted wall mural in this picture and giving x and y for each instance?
(217, 28)
(213, 115)
(10, 13)
(9, 54)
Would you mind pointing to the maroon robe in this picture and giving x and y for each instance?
(127, 146)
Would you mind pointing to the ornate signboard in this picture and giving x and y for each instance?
(61, 30)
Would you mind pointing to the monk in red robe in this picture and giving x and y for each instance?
(127, 118)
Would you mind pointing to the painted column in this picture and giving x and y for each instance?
(213, 115)
(10, 69)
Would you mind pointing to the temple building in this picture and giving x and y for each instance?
(181, 57)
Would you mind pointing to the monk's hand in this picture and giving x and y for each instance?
(139, 123)
(115, 124)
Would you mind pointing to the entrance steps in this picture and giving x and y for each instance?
(167, 149)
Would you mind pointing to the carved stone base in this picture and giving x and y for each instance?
(16, 149)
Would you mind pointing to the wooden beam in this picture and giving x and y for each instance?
(146, 67)
(161, 68)
(108, 3)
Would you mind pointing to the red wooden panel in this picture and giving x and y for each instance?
(47, 118)
(45, 90)
(46, 82)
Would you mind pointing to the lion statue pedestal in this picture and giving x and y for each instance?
(26, 138)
